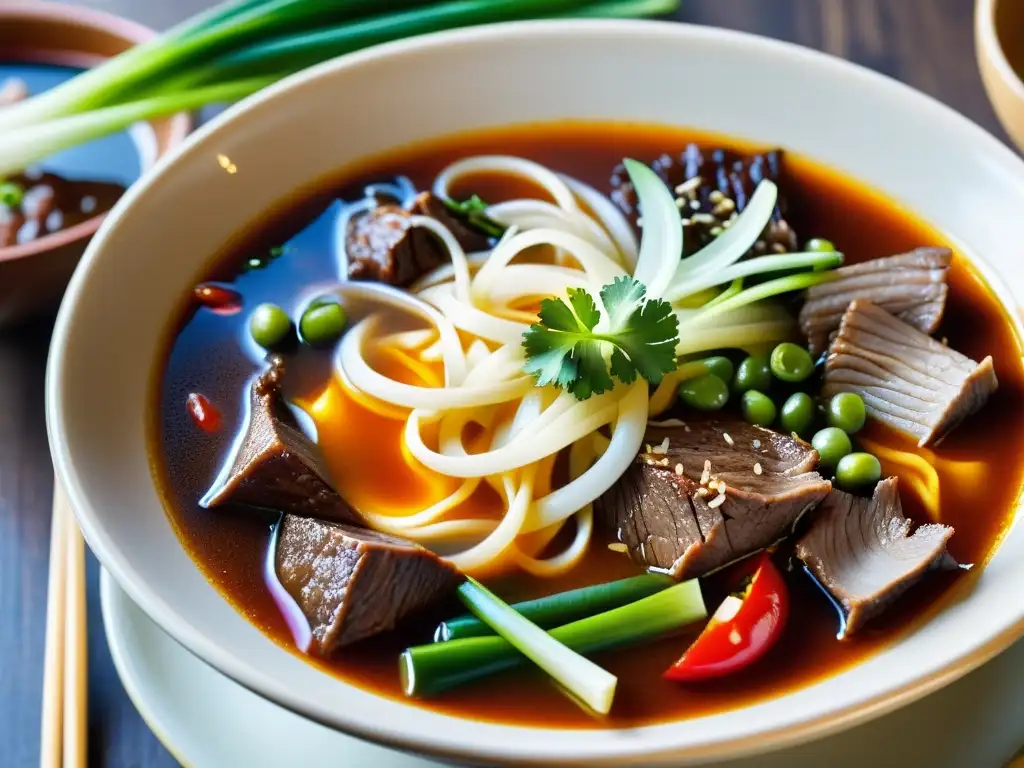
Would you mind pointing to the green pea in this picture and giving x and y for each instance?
(753, 373)
(797, 413)
(858, 471)
(322, 323)
(721, 367)
(846, 411)
(758, 408)
(11, 194)
(269, 325)
(820, 245)
(791, 363)
(832, 444)
(705, 393)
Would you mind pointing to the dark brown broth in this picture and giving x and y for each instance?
(210, 354)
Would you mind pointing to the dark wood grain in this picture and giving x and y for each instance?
(926, 43)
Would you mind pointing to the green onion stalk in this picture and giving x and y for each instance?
(428, 670)
(232, 50)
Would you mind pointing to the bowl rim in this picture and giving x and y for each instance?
(64, 15)
(776, 736)
(991, 44)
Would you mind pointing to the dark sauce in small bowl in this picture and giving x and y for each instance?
(73, 185)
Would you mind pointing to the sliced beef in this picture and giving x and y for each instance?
(470, 238)
(910, 285)
(275, 465)
(715, 492)
(382, 245)
(353, 583)
(862, 553)
(712, 187)
(907, 379)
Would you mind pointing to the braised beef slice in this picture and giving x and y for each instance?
(910, 285)
(673, 515)
(862, 553)
(714, 175)
(471, 239)
(353, 583)
(276, 466)
(383, 246)
(907, 379)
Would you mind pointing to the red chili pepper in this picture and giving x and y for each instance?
(221, 300)
(203, 413)
(740, 632)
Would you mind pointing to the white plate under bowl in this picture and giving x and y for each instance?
(157, 241)
(207, 721)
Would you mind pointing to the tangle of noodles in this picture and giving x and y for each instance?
(472, 315)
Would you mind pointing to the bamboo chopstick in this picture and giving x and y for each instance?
(50, 753)
(65, 706)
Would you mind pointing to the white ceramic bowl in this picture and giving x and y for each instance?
(158, 240)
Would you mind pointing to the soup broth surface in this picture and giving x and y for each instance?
(291, 254)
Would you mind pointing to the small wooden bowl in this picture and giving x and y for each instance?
(994, 22)
(33, 275)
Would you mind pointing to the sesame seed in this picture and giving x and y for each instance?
(726, 224)
(680, 202)
(647, 448)
(702, 491)
(728, 438)
(660, 448)
(756, 443)
(723, 207)
(716, 196)
(713, 485)
(695, 205)
(618, 546)
(689, 186)
(679, 469)
(706, 475)
(757, 468)
(686, 428)
(716, 502)
(716, 231)
(664, 462)
(687, 222)
(703, 218)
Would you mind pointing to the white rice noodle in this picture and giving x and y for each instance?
(598, 268)
(527, 214)
(625, 443)
(468, 318)
(611, 218)
(512, 166)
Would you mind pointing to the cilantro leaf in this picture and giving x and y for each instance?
(474, 213)
(563, 350)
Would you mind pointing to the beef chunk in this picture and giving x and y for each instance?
(907, 379)
(714, 186)
(470, 238)
(383, 246)
(862, 553)
(275, 465)
(716, 492)
(353, 583)
(910, 285)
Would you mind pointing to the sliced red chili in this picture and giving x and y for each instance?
(203, 413)
(740, 632)
(223, 301)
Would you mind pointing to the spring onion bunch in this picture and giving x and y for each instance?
(240, 46)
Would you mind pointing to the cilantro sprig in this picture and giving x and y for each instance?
(563, 349)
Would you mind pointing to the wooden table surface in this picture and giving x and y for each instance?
(926, 43)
